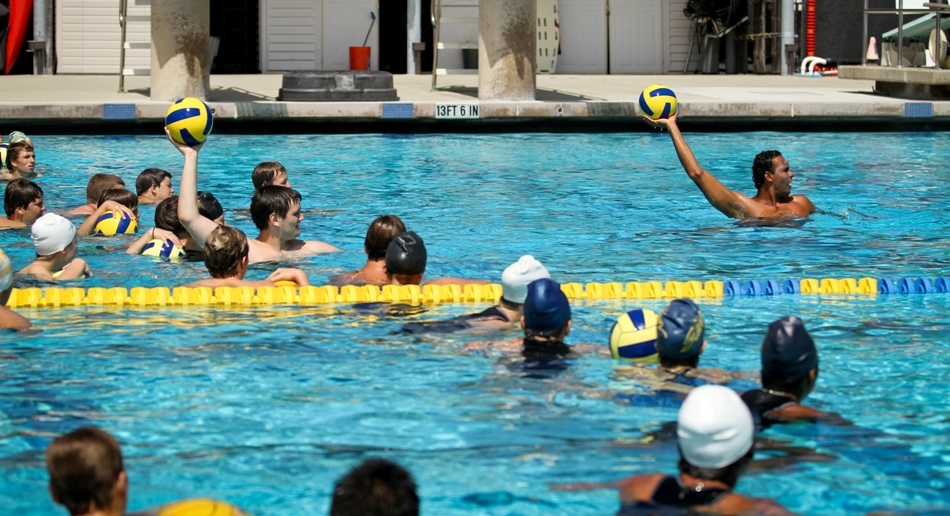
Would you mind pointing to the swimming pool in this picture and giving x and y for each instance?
(267, 407)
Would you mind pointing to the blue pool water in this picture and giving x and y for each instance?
(267, 407)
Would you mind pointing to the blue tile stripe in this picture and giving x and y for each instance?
(397, 110)
(118, 112)
(918, 110)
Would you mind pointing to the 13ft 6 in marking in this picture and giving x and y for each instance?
(456, 110)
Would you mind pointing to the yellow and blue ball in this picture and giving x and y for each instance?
(658, 101)
(198, 507)
(163, 249)
(115, 223)
(633, 336)
(189, 121)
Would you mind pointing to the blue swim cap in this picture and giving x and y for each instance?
(406, 254)
(788, 351)
(681, 331)
(546, 309)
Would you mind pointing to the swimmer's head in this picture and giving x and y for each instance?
(681, 334)
(86, 473)
(52, 234)
(20, 158)
(122, 196)
(210, 208)
(715, 433)
(99, 183)
(154, 183)
(269, 173)
(272, 207)
(376, 486)
(166, 217)
(23, 201)
(516, 278)
(18, 136)
(380, 233)
(406, 259)
(226, 252)
(789, 358)
(763, 163)
(547, 313)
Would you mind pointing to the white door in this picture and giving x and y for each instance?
(636, 36)
(583, 36)
(345, 24)
(88, 34)
(291, 35)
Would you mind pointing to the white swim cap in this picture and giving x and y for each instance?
(6, 272)
(515, 279)
(714, 427)
(52, 233)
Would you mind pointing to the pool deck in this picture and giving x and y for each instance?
(564, 101)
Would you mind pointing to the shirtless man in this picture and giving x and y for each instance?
(770, 173)
(22, 203)
(225, 253)
(274, 209)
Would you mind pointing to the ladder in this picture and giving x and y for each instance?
(437, 20)
(124, 20)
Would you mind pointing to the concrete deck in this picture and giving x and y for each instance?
(57, 101)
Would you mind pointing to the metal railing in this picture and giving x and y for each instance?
(936, 7)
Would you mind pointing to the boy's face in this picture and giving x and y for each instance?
(25, 163)
(33, 211)
(281, 179)
(164, 190)
(288, 228)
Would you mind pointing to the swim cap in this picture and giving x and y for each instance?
(406, 254)
(515, 279)
(51, 234)
(208, 206)
(6, 272)
(681, 330)
(788, 351)
(18, 136)
(546, 309)
(714, 427)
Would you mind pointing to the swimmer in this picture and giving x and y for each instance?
(54, 238)
(98, 184)
(275, 211)
(406, 258)
(771, 175)
(378, 236)
(680, 342)
(376, 486)
(154, 186)
(87, 475)
(226, 251)
(116, 199)
(715, 436)
(210, 208)
(506, 314)
(789, 373)
(167, 227)
(269, 173)
(23, 204)
(9, 320)
(20, 162)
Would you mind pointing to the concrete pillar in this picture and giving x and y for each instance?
(181, 62)
(507, 49)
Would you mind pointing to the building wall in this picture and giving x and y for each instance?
(678, 44)
(88, 34)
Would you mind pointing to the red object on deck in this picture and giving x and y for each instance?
(19, 18)
(810, 28)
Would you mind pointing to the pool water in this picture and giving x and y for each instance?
(266, 408)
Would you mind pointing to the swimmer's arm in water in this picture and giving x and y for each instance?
(75, 270)
(584, 486)
(796, 412)
(152, 234)
(730, 203)
(90, 223)
(717, 376)
(288, 274)
(503, 345)
(456, 281)
(10, 320)
(198, 226)
(317, 247)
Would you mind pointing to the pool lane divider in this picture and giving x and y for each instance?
(55, 297)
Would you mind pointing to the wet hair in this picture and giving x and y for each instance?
(380, 233)
(728, 475)
(555, 336)
(166, 217)
(20, 193)
(762, 164)
(120, 195)
(545, 348)
(99, 183)
(13, 153)
(269, 200)
(208, 206)
(148, 178)
(83, 466)
(797, 387)
(224, 249)
(376, 487)
(265, 173)
(669, 362)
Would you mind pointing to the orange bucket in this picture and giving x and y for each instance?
(359, 58)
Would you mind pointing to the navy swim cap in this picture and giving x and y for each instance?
(788, 351)
(546, 309)
(406, 254)
(681, 330)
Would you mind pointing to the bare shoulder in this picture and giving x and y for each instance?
(260, 252)
(315, 246)
(7, 223)
(734, 503)
(639, 488)
(807, 207)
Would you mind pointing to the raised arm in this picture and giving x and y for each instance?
(730, 203)
(198, 226)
